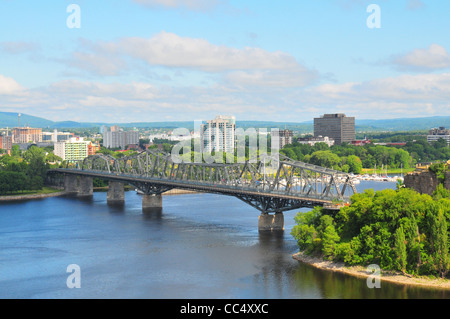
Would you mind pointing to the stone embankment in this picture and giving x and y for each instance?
(425, 182)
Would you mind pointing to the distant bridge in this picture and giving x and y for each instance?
(270, 184)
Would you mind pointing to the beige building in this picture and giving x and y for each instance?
(23, 135)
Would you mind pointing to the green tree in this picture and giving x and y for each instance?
(325, 159)
(400, 249)
(330, 238)
(355, 164)
(439, 242)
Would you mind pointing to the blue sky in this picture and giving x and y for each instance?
(170, 60)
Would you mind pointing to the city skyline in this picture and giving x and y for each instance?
(160, 60)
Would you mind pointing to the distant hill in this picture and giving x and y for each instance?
(10, 119)
(405, 124)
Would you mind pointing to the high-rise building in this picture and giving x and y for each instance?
(437, 133)
(285, 137)
(75, 149)
(116, 138)
(336, 126)
(23, 135)
(218, 134)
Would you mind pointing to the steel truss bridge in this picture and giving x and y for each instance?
(269, 184)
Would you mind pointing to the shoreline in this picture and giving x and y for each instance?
(31, 196)
(62, 193)
(361, 272)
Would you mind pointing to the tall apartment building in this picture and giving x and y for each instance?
(218, 134)
(116, 138)
(336, 126)
(285, 137)
(75, 149)
(437, 133)
(23, 135)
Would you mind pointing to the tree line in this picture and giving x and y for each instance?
(24, 170)
(351, 158)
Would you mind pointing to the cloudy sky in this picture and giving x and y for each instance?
(171, 60)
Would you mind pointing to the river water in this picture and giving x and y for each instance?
(200, 246)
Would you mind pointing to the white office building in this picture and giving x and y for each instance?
(218, 134)
(115, 138)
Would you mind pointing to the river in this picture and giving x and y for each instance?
(200, 246)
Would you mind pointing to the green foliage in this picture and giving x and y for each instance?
(23, 171)
(396, 229)
(400, 249)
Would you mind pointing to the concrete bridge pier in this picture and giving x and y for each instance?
(86, 187)
(152, 201)
(71, 184)
(271, 222)
(116, 193)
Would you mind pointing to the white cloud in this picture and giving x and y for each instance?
(169, 49)
(244, 66)
(8, 86)
(296, 77)
(435, 57)
(403, 96)
(91, 101)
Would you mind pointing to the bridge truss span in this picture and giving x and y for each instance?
(271, 184)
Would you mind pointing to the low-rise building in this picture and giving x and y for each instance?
(361, 142)
(314, 140)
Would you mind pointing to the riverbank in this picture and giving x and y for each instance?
(47, 192)
(359, 271)
(57, 192)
